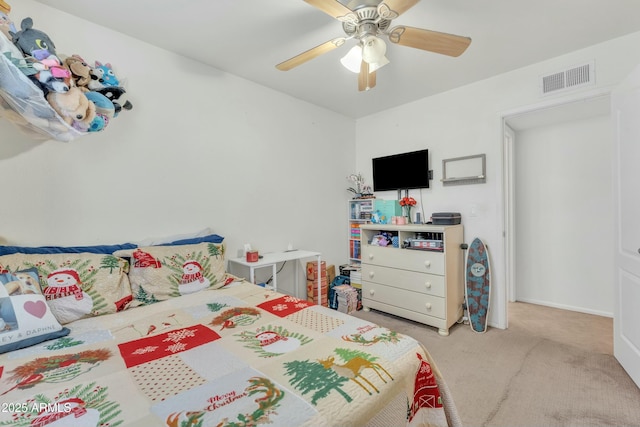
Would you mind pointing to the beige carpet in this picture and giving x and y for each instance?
(550, 368)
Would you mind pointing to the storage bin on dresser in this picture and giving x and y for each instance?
(418, 284)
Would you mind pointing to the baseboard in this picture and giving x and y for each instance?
(566, 307)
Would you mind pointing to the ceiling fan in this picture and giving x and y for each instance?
(366, 21)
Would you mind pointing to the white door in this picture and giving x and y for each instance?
(626, 325)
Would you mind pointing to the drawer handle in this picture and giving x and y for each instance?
(371, 292)
(370, 256)
(428, 285)
(428, 305)
(371, 274)
(427, 264)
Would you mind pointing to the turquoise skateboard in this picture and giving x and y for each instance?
(478, 289)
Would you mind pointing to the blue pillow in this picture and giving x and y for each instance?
(211, 238)
(98, 249)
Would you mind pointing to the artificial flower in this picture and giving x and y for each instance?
(408, 201)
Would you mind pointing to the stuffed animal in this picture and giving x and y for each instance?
(118, 96)
(28, 39)
(80, 71)
(102, 75)
(6, 25)
(105, 111)
(37, 45)
(74, 108)
(51, 75)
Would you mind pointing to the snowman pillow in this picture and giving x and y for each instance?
(25, 318)
(159, 273)
(77, 285)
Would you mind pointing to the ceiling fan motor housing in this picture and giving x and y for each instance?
(368, 22)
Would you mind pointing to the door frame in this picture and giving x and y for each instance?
(509, 139)
(507, 145)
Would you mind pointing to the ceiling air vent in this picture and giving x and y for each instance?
(574, 77)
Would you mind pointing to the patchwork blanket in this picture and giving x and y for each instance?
(237, 356)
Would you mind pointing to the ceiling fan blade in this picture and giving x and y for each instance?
(366, 79)
(310, 54)
(334, 9)
(391, 9)
(432, 41)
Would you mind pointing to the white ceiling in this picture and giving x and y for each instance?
(249, 37)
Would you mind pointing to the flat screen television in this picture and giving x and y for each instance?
(401, 171)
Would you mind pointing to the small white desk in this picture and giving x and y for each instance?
(273, 258)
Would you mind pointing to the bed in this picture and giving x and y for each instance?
(172, 339)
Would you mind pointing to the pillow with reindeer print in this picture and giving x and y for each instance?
(162, 272)
(77, 285)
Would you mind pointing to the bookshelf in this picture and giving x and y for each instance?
(360, 211)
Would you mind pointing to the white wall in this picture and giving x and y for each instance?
(468, 120)
(205, 148)
(564, 215)
(201, 148)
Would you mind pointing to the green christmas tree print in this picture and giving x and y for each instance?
(216, 250)
(110, 263)
(319, 377)
(214, 307)
(143, 296)
(312, 377)
(347, 354)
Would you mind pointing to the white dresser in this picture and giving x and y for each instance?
(423, 285)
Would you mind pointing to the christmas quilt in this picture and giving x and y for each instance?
(240, 355)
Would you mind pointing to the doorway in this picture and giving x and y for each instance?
(558, 201)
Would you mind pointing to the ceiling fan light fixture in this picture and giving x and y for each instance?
(373, 66)
(373, 49)
(352, 60)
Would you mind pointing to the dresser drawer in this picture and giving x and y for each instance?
(406, 259)
(417, 302)
(410, 280)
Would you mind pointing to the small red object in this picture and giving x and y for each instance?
(252, 256)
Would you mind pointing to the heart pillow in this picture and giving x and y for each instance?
(25, 317)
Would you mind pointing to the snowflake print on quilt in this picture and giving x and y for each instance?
(158, 346)
(285, 306)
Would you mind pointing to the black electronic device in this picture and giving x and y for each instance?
(401, 171)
